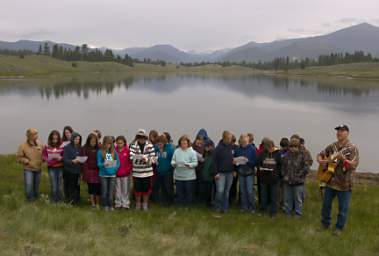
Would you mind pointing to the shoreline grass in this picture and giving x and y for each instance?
(37, 66)
(42, 228)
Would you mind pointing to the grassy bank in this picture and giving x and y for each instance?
(349, 71)
(46, 67)
(45, 229)
(36, 66)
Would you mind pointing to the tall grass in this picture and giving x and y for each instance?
(42, 228)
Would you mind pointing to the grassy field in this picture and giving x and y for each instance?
(42, 66)
(46, 67)
(42, 228)
(356, 70)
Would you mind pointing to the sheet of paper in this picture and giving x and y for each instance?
(82, 159)
(200, 157)
(110, 163)
(181, 164)
(53, 156)
(241, 160)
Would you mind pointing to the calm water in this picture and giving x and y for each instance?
(183, 104)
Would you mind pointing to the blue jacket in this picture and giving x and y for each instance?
(204, 133)
(107, 171)
(164, 158)
(222, 161)
(249, 153)
(70, 152)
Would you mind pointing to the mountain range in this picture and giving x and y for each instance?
(364, 37)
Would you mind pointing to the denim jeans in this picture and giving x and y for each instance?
(31, 183)
(269, 197)
(223, 185)
(184, 192)
(164, 185)
(343, 207)
(107, 190)
(56, 180)
(247, 192)
(293, 197)
(72, 187)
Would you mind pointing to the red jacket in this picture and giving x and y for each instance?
(125, 162)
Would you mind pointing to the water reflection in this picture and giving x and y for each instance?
(267, 106)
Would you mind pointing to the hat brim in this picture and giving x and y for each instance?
(341, 129)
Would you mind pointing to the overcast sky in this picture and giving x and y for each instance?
(187, 24)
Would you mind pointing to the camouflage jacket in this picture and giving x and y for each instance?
(342, 176)
(295, 167)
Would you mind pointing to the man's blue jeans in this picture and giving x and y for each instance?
(293, 196)
(247, 192)
(31, 182)
(223, 185)
(343, 207)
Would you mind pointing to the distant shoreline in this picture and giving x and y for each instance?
(36, 66)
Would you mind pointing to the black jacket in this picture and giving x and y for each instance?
(70, 152)
(269, 165)
(222, 161)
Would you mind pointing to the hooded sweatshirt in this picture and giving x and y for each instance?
(223, 158)
(125, 163)
(164, 159)
(202, 132)
(107, 171)
(269, 165)
(70, 152)
(249, 153)
(180, 157)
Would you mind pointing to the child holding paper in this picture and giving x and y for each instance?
(205, 178)
(53, 155)
(123, 174)
(90, 169)
(143, 156)
(246, 172)
(108, 163)
(72, 168)
(164, 181)
(184, 161)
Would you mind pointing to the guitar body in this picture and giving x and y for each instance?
(325, 172)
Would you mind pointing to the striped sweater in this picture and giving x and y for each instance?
(51, 155)
(141, 168)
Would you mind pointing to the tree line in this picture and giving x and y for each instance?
(286, 63)
(83, 53)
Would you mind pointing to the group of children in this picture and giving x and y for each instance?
(154, 169)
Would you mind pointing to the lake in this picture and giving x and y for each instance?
(182, 104)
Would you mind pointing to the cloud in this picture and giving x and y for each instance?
(37, 34)
(348, 20)
(40, 33)
(375, 21)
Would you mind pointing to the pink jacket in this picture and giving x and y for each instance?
(125, 162)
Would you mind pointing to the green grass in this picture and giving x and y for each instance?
(356, 70)
(35, 66)
(42, 228)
